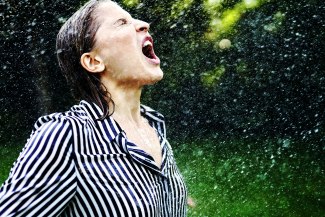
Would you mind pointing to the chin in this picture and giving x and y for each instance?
(154, 78)
(158, 75)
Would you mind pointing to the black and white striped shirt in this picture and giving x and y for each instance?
(76, 165)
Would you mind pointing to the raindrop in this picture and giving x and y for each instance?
(140, 5)
(62, 19)
(173, 26)
(286, 143)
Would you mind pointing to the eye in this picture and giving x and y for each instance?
(121, 22)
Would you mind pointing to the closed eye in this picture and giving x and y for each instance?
(121, 21)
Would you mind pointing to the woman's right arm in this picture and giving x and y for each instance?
(43, 179)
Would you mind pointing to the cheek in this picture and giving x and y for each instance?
(121, 47)
(120, 51)
(125, 39)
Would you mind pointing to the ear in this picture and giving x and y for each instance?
(92, 63)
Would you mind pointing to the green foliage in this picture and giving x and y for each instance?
(211, 78)
(224, 16)
(251, 181)
(8, 155)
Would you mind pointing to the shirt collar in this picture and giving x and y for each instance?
(95, 112)
(151, 114)
(92, 109)
(107, 126)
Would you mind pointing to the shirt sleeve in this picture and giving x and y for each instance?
(43, 179)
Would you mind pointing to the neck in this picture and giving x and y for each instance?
(127, 101)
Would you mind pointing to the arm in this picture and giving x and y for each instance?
(43, 179)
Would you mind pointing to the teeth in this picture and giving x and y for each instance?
(147, 43)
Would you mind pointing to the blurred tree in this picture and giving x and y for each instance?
(274, 80)
(31, 84)
(240, 68)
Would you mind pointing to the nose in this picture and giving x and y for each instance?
(141, 26)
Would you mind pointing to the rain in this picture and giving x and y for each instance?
(243, 95)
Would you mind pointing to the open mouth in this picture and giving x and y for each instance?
(147, 50)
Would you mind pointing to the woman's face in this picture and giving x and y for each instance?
(125, 46)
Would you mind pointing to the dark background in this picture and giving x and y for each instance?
(271, 83)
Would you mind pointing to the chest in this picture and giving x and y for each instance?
(119, 183)
(145, 137)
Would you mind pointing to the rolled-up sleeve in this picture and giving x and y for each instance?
(43, 179)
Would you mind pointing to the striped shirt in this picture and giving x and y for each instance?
(74, 164)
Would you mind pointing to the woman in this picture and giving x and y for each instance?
(107, 156)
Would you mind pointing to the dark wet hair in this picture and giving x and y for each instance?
(77, 36)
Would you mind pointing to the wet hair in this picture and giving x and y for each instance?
(77, 36)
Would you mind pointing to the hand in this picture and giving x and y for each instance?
(190, 202)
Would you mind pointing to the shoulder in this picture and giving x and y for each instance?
(77, 115)
(52, 130)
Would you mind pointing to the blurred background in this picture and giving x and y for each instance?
(243, 95)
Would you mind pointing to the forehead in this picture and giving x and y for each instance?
(110, 11)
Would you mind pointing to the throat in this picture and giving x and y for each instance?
(142, 135)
